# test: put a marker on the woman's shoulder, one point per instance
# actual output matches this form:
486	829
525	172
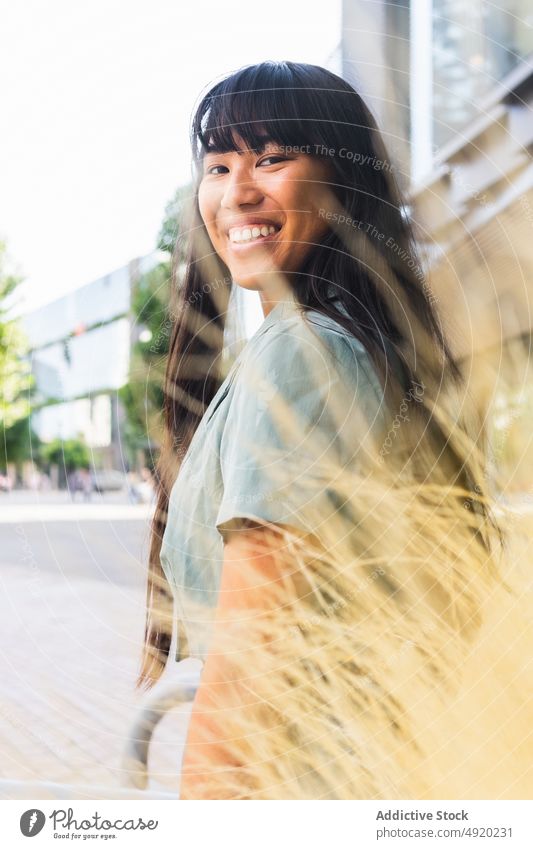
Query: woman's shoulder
311	333
283	343
303	350
301	375
297	324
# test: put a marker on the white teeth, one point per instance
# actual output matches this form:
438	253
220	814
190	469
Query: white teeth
247	234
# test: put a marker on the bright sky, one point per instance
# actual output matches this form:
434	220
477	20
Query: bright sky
95	110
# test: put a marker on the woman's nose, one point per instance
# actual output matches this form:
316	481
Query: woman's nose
240	189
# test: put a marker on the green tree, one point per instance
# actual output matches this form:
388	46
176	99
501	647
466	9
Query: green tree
142	396
15	370
21	443
68	454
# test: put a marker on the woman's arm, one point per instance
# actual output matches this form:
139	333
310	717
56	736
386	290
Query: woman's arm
249	568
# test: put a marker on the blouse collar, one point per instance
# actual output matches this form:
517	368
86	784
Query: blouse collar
283	309
289	306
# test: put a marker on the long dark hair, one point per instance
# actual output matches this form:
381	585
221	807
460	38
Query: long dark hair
367	264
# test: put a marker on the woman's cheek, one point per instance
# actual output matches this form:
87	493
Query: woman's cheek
205	203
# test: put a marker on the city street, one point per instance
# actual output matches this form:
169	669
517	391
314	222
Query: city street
72	624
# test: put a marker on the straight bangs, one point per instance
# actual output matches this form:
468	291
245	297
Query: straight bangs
261	104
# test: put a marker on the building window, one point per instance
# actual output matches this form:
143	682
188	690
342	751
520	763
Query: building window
475	45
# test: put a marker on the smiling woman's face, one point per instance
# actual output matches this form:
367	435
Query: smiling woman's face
262	212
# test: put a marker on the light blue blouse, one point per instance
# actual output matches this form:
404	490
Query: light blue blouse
294	399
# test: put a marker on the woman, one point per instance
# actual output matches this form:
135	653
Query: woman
295	198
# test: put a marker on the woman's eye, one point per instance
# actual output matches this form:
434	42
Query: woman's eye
272	160
216	170
213	169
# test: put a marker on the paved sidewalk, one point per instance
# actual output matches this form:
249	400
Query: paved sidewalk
71	627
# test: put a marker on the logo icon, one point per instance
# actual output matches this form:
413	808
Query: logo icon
32	822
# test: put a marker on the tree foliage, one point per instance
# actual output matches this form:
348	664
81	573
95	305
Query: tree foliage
69	454
19	443
142	396
15	370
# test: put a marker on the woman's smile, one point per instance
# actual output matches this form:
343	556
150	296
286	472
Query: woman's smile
252	232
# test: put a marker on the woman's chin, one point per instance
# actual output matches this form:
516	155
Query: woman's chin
255	279
251	284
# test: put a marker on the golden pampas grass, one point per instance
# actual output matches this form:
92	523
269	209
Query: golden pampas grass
392	659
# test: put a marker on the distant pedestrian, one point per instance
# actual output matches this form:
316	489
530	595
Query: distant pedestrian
86	484
73	483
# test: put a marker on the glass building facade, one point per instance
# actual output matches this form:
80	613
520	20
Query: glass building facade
475	46
429	68
80	357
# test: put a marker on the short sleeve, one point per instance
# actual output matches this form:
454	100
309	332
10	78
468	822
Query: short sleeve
289	431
